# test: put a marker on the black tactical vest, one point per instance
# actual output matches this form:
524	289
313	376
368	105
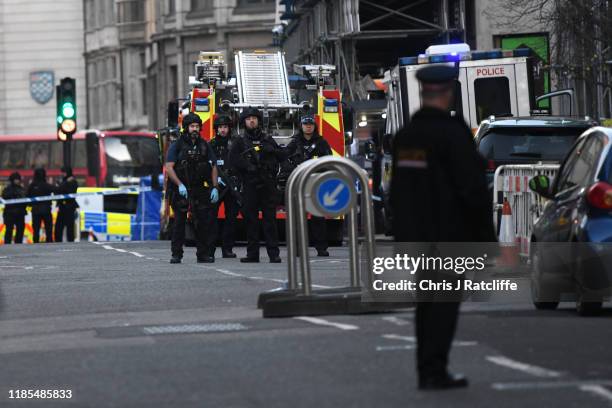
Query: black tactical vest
192	165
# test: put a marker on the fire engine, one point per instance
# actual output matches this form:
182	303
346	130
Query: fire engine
261	81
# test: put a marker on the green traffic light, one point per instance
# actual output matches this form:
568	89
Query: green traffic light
60	119
68	110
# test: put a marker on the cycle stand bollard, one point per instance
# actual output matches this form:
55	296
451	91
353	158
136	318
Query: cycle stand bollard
323	187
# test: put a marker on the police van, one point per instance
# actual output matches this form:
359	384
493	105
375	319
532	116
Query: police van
490	83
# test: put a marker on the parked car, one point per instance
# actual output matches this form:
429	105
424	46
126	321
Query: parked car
527	140
572	240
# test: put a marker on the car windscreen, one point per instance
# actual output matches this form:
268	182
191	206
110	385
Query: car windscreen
521	143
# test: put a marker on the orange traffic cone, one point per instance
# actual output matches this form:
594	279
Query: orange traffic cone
509	249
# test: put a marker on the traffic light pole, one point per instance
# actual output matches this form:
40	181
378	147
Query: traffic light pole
67	152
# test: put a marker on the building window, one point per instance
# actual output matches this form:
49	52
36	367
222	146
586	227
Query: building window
102	86
263	6
171	7
131	11
202	5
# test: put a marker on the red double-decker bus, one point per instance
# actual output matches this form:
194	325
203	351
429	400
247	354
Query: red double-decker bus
99	158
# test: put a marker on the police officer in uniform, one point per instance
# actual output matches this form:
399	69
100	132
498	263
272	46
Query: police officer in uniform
438	194
14	214
257	156
41	212
66	207
228	183
308	144
191	166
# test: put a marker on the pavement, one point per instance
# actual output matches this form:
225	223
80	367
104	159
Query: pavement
118	326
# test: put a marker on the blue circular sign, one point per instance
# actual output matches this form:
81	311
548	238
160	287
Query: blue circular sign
334	195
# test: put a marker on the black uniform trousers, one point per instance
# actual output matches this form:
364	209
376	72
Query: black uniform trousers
318	233
229	223
37	219
16	223
203	222
260	198
436	316
65	219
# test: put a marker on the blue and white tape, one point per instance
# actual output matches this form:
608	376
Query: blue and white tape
76	195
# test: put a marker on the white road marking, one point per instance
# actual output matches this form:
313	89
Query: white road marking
411	339
108	247
598	390
323	322
524	367
396	320
391	348
119	250
548	384
137	254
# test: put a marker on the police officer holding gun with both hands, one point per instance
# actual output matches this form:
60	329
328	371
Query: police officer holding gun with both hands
438	194
257	156
228	183
192	171
308	144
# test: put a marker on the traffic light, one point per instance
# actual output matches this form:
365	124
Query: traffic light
66	109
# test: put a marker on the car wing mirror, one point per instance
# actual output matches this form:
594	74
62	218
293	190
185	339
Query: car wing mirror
541	185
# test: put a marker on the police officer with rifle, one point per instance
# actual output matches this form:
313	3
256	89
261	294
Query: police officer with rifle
257	156
308	144
229	184
192	171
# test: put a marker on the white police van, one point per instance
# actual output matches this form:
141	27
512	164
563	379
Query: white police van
490	83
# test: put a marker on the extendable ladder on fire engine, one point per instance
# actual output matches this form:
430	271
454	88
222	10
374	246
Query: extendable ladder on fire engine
262	80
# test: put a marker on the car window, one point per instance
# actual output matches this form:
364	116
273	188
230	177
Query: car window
582	169
492	97
528	143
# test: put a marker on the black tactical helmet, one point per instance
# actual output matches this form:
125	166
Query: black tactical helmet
189	119
222	120
250	111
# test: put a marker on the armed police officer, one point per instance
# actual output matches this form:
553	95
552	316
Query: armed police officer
229	184
438	194
14	214
192	171
66	208
308	144
257	156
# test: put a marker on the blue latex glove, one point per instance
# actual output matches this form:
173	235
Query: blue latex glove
214	195
183	190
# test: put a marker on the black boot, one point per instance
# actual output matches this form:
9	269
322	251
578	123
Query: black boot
206	259
443	382
322	252
175	260
249	260
228	254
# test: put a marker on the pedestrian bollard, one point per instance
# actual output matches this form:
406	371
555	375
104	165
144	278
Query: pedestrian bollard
322	187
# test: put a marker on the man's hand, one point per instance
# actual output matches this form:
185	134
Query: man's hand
183	190
214	195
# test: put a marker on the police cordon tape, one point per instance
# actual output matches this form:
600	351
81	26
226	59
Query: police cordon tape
30	200
75	195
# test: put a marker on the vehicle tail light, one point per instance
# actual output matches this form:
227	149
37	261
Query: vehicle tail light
600	196
491	165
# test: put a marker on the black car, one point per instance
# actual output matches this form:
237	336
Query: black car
571	252
527	140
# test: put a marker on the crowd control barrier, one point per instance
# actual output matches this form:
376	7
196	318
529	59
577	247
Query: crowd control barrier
511	182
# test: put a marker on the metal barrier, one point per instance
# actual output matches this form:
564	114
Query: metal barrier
511	182
322	187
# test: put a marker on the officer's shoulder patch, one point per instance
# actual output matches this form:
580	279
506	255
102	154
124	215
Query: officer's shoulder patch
412	158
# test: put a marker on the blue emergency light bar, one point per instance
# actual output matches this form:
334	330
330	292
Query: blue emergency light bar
330	102
201	101
464	56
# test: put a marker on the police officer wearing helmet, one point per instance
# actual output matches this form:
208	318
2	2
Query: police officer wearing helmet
228	183
192	171
308	144
257	156
438	194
